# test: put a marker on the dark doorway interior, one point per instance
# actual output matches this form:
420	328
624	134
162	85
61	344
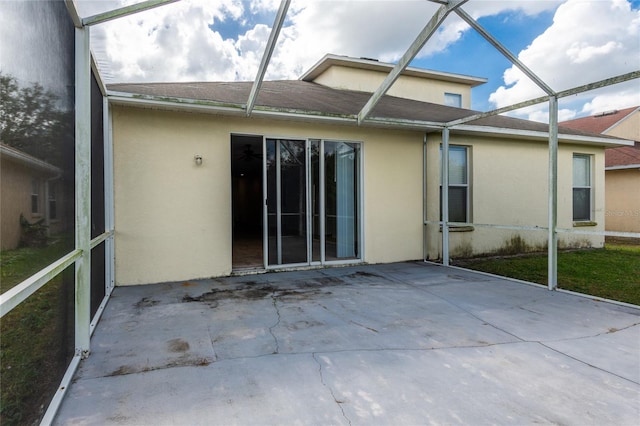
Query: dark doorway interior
246	190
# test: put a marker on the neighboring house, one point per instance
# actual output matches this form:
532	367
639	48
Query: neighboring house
31	188
622	166
202	189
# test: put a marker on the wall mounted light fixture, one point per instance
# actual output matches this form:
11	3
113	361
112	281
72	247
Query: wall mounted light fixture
198	159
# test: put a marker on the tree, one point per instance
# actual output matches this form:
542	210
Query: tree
31	122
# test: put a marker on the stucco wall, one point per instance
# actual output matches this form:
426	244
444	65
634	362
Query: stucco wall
509	186
173	218
405	87
623	200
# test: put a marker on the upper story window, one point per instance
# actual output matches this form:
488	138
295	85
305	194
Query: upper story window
459	204
453	100
582	185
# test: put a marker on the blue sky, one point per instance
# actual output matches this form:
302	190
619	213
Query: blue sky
567	43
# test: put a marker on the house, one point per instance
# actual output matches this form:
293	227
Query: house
203	189
30	189
622	166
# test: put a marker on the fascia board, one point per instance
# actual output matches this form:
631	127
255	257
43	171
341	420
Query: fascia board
529	134
625	167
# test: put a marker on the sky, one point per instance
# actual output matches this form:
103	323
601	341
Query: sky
567	43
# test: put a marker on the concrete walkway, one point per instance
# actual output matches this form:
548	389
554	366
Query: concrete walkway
397	344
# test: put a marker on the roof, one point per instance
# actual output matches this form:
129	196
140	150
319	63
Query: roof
25	159
308	100
623	157
599	123
373	65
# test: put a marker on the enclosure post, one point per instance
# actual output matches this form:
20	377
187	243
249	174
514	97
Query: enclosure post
444	167
83	191
108	197
553	194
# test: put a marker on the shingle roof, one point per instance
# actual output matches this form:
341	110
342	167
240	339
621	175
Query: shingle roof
600	122
622	156
315	99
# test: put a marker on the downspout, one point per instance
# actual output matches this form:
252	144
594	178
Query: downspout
424	198
444	167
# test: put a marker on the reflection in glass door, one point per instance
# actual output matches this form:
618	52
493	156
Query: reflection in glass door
312	208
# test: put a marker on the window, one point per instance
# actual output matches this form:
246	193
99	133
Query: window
453	100
35	196
458	184
53	213
581	187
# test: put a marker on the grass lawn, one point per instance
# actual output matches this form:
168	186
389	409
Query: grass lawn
612	272
36	337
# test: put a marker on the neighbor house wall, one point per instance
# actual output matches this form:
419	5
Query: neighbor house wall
509	186
623	200
15	184
628	128
409	87
173	218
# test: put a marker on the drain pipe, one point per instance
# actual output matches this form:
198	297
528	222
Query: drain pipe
444	167
424	198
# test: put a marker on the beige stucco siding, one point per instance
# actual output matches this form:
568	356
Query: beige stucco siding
629	128
408	87
15	184
623	200
173	218
509	186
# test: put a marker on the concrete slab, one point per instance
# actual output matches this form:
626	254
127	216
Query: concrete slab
402	343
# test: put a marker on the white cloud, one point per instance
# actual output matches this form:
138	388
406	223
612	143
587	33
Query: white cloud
587	42
174	42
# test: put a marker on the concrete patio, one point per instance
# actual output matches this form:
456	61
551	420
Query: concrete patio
406	343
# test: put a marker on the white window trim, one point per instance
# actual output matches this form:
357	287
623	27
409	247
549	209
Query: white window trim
467	150
589	157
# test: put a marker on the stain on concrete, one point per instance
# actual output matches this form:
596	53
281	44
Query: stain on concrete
146	302
178	345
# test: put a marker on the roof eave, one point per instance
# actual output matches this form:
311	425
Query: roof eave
28	160
624	167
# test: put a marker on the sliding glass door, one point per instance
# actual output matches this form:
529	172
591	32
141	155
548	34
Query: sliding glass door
312	207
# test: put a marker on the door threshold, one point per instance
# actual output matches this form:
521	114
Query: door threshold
248	270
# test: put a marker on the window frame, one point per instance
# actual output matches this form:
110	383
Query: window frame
35	197
466	186
448	96
588	187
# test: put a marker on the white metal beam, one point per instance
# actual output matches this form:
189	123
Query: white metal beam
268	51
426	33
83	191
73	13
124	11
552	258
502	49
561	94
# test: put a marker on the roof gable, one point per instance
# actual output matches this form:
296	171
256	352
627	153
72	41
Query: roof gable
599	123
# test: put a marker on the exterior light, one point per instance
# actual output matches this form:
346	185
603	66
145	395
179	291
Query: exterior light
198	159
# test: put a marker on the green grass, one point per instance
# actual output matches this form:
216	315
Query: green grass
34	349
612	272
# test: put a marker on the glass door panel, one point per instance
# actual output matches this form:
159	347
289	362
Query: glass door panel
341	161
286	201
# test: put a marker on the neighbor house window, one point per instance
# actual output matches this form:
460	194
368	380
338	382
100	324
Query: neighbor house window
581	187
35	196
53	212
458	184
453	100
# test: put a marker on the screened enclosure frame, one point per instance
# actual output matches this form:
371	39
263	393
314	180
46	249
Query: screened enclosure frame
80	256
